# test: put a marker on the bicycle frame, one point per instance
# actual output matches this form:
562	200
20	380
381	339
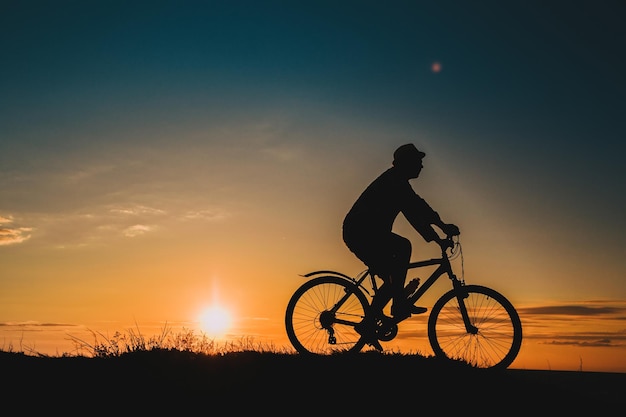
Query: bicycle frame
444	268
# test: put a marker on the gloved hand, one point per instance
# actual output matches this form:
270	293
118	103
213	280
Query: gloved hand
451	229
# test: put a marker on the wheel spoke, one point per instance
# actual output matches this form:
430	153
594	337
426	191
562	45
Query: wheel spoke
499	335
312	314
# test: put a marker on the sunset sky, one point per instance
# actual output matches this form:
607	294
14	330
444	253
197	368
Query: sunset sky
160	158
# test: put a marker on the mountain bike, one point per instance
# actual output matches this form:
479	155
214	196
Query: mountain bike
470	323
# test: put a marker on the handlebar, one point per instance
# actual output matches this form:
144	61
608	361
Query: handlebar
449	242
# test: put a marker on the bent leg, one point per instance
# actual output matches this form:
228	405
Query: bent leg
401	249
388	256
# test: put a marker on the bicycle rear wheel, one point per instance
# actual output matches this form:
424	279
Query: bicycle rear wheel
317	324
498	338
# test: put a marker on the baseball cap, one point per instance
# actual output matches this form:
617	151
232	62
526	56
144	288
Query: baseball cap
407	153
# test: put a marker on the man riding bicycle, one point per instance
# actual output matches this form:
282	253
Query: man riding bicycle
367	230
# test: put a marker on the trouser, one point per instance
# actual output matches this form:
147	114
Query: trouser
388	256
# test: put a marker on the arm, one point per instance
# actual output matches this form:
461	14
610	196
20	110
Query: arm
422	217
450	230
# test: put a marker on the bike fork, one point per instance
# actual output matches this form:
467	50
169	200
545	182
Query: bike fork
461	296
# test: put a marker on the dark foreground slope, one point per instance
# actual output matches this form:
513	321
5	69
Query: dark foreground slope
248	382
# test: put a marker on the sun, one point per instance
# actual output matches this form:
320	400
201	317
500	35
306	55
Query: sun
215	320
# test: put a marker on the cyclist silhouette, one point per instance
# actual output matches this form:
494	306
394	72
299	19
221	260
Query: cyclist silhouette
367	230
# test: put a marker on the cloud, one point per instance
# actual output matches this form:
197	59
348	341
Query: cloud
592	324
86	174
574	310
34	324
138	210
610	340
208	215
137	230
102	224
13	235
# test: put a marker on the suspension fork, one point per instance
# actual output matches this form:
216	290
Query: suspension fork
461	296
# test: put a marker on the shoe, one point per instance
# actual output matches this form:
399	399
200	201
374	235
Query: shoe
406	310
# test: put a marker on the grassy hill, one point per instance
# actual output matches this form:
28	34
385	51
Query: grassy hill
177	381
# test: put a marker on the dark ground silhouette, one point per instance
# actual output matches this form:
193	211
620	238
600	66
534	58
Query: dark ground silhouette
249	382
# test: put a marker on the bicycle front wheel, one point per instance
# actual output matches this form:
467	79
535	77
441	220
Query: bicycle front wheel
496	336
321	316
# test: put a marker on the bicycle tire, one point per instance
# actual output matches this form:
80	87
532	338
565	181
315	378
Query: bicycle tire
499	336
311	302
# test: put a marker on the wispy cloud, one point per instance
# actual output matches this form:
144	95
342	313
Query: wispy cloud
208	215
575	310
283	153
87	173
598	323
21	324
137	230
100	224
11	235
137	210
610	340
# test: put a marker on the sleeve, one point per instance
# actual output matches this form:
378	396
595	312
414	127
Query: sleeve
421	216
